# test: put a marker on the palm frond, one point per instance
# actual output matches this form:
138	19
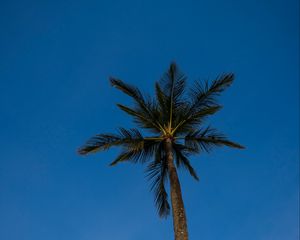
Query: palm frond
181	153
157	173
205	94
128	89
203	103
163	103
130	139
142	119
188	122
100	142
169	91
138	153
173	82
145	110
206	139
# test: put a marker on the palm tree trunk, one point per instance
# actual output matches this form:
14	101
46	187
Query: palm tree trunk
179	218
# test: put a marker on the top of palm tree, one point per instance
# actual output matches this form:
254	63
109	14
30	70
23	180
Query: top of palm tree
174	114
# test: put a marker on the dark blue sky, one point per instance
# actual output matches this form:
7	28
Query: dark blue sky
55	60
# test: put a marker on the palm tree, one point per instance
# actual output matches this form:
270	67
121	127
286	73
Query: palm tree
175	120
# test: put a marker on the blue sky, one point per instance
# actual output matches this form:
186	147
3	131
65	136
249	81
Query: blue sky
55	60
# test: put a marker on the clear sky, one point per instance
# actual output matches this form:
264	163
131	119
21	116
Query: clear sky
55	60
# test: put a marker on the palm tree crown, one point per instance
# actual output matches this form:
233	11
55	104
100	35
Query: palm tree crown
175	115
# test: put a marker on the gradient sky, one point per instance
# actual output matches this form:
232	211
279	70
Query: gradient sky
55	60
